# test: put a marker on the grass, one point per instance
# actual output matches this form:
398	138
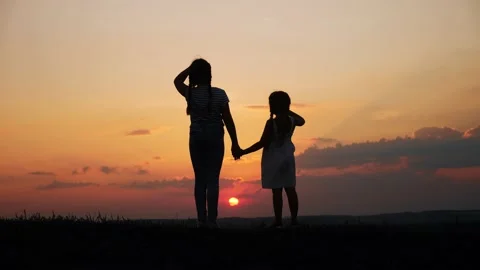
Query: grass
110	242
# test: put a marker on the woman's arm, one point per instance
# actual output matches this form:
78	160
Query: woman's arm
264	140
299	121
180	81
232	131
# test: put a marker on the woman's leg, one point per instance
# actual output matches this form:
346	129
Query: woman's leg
215	161
197	156
277	205
292	203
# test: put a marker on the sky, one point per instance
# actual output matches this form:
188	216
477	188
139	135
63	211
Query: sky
91	121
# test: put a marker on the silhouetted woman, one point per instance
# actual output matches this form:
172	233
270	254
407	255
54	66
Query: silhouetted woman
209	111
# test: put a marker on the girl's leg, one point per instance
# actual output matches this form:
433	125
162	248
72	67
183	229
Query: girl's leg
292	203
277	205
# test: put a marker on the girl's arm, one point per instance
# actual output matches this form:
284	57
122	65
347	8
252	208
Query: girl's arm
299	121
264	140
180	81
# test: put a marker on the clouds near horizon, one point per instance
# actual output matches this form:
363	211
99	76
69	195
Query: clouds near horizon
182	183
431	148
42	173
63	185
82	171
437	168
473	132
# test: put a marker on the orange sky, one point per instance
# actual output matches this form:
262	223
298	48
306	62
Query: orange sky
77	76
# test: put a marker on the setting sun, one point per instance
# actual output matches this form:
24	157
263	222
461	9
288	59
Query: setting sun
233	201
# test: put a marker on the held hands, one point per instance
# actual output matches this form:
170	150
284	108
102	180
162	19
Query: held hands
237	152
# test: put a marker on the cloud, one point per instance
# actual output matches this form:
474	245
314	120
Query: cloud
325	140
437	133
183	183
383	115
136	170
82	171
266	107
431	149
243	160
138	132
62	185
472	133
142	172
251	193
42	173
157	158
108	170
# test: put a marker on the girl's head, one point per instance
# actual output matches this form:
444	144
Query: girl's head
279	102
200	74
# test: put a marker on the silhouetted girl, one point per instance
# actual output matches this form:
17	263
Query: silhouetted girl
208	109
278	160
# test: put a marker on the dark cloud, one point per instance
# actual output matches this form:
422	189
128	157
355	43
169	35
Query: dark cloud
42	173
84	170
157	158
108	170
184	183
136	170
256	107
325	140
266	107
441	150
472	133
138	132
62	185
142	172
437	133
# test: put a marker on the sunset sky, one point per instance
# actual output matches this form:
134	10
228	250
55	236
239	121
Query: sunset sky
90	119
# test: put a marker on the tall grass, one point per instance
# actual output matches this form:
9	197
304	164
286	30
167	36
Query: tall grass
69	218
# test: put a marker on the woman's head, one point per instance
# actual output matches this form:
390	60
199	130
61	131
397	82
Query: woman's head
279	102
200	72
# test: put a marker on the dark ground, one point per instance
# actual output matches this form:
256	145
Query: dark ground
111	245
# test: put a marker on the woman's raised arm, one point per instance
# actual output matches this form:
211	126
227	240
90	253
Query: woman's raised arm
180	81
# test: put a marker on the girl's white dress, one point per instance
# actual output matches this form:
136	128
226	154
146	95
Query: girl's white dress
278	161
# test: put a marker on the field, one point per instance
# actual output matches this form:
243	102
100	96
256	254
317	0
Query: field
102	243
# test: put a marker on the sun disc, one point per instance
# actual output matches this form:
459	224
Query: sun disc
233	201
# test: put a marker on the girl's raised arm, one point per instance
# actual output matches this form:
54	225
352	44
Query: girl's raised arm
299	121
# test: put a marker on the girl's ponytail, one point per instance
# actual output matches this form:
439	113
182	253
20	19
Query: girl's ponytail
272	131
